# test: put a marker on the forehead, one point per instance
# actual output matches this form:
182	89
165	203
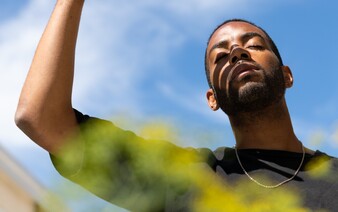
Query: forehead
231	31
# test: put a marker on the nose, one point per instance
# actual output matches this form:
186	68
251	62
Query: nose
238	54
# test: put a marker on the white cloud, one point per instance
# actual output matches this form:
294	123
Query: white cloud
317	136
109	58
196	102
18	38
118	42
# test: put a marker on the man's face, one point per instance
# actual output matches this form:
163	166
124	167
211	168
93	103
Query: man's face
244	71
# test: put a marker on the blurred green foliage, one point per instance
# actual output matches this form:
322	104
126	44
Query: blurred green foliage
137	173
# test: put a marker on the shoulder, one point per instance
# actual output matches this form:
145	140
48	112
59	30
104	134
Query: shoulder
325	157
323	165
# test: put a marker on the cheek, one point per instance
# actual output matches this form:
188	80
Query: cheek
268	60
218	73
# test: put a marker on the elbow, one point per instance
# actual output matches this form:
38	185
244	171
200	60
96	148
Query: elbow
28	122
21	119
44	127
24	120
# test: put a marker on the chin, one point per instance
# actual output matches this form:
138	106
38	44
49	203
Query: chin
251	92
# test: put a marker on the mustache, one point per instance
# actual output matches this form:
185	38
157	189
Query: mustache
227	73
238	68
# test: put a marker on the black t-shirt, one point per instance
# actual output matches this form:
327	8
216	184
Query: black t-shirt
316	182
141	175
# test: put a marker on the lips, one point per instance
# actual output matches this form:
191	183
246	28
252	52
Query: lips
243	67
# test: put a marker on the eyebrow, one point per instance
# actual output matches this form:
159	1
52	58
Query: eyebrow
244	38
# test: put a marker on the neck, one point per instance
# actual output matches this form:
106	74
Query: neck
270	128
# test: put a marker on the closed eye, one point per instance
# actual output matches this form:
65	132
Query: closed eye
220	56
256	47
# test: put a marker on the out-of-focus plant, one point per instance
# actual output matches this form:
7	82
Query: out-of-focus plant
141	174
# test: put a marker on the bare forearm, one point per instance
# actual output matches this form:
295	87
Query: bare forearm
45	109
51	74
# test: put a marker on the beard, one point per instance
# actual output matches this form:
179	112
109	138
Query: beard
253	96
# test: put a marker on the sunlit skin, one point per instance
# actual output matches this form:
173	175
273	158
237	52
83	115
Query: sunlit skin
233	41
231	46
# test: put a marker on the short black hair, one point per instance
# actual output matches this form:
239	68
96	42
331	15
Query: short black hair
273	45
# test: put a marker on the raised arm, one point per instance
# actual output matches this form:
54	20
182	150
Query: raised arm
45	111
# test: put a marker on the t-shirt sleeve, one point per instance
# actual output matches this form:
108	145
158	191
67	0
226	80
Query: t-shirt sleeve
123	168
71	160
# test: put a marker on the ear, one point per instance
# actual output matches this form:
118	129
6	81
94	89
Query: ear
212	102
288	78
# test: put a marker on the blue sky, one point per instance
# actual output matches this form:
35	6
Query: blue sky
141	61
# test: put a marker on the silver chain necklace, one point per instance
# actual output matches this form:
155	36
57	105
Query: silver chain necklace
271	186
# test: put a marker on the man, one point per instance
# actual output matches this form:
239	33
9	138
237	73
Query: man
247	81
